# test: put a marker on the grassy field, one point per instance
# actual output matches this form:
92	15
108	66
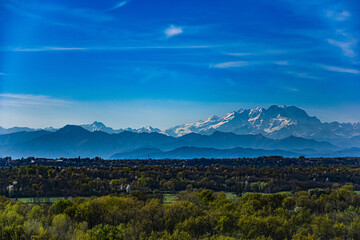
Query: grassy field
232	196
168	198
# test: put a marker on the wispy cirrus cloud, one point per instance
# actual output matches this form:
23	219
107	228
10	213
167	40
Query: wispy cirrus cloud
14	100
261	53
241	54
230	64
344	38
338	15
341	70
119	5
281	63
302	75
44	49
124	48
47	12
238	64
173	31
347	47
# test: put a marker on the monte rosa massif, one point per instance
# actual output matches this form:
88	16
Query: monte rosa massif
278	130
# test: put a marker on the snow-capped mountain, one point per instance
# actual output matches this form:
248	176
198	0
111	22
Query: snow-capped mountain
49	129
274	122
247	132
92	127
147	129
99	126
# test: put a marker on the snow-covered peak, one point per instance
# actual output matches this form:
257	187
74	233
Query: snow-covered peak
148	129
275	121
229	116
257	110
98	126
213	118
255	113
50	129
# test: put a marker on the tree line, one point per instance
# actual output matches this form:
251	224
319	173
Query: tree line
251	162
50	181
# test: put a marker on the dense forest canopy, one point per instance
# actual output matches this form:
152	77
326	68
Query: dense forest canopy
333	214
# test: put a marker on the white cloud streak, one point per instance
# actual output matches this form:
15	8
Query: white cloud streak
341	70
230	64
173	31
346	47
238	64
260	53
119	5
302	75
15	100
283	63
338	15
43	49
241	54
41	12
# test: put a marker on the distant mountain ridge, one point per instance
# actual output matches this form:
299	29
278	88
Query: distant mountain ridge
73	141
196	152
15	129
289	130
99	126
275	122
92	127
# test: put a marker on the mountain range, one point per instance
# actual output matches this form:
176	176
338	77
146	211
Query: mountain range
99	126
95	126
275	122
278	130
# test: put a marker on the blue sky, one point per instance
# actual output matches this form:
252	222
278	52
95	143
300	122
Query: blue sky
161	63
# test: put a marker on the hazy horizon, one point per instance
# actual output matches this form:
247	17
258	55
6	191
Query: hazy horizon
113	123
